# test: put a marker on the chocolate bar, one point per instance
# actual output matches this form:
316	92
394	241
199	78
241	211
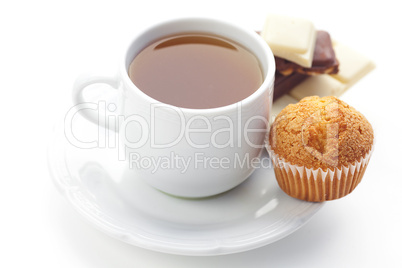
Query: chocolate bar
324	60
333	67
283	84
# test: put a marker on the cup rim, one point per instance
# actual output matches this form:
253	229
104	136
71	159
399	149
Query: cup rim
268	78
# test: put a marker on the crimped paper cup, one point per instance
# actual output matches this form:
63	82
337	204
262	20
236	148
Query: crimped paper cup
317	185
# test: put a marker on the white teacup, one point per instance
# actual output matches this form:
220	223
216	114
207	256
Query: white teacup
189	152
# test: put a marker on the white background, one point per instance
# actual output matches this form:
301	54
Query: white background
44	45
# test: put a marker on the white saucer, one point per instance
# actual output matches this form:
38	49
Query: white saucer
98	186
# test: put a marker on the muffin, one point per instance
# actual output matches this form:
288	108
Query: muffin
320	148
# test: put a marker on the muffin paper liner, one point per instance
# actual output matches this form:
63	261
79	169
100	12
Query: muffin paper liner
318	185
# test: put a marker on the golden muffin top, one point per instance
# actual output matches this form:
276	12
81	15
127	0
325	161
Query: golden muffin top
321	133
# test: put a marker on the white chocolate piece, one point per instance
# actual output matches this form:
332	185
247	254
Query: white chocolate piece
288	33
318	85
281	103
290	38
352	65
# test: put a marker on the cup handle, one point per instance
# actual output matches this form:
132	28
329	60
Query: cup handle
82	82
